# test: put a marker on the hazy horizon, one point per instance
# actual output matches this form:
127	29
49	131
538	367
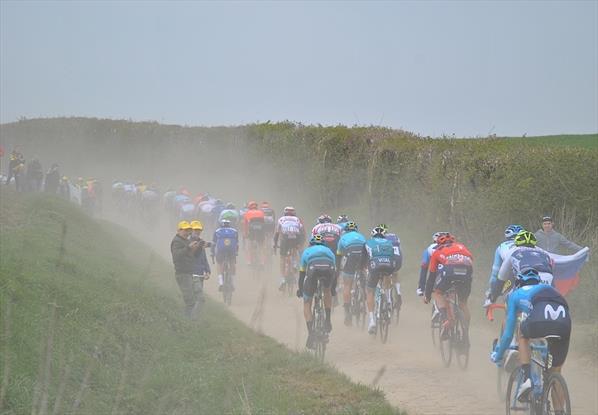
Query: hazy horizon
433	68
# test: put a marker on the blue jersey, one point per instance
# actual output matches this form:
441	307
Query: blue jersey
521	301
316	252
350	239
503	250
379	248
343	226
225	240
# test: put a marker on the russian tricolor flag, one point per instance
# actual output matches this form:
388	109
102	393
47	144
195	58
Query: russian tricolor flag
567	268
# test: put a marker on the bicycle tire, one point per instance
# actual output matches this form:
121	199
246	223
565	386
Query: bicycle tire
435	329
458	338
554	380
512	405
384	320
319	324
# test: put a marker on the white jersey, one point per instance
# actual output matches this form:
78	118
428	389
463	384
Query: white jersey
290	226
326	228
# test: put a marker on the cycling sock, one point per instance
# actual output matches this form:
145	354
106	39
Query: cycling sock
526	370
398	287
327	311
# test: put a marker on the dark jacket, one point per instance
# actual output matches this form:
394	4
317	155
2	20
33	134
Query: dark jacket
202	266
182	256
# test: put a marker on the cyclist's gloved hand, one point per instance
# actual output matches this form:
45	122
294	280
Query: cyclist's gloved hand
299	294
495	359
426	300
419	292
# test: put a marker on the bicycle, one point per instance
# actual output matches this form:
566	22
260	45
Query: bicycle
397	303
290	266
227	285
319	321
511	360
435	325
455	343
549	389
254	258
358	299
197	287
383	307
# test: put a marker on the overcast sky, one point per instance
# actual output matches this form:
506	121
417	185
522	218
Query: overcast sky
432	67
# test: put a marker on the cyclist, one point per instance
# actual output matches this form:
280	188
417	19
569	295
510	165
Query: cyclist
349	254
291	234
342	222
317	262
231	214
396	244
380	259
545	313
269	219
253	230
503	250
451	262
225	247
427	254
525	253
330	232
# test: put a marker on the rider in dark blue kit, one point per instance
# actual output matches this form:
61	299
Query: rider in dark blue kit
544	313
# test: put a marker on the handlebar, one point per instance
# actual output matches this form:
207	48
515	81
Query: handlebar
490	310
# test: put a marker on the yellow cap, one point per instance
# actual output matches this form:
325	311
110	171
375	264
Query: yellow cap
196	225
184	225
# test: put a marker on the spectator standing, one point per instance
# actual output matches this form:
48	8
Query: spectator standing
552	241
35	175
52	180
184	258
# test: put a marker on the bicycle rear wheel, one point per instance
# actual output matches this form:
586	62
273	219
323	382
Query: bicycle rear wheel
460	345
319	325
435	327
555	399
446	349
512	405
385	317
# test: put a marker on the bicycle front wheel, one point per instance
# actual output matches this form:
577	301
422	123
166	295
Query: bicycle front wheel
555	399
512	405
460	343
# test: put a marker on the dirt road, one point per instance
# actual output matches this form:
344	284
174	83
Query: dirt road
414	378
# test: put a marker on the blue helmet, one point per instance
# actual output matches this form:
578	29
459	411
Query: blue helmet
527	275
316	240
512	230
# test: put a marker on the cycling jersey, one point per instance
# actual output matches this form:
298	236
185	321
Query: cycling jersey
503	250
450	263
289	230
253	225
396	244
330	232
269	219
544	312
426	255
527	257
317	262
225	243
380	259
351	246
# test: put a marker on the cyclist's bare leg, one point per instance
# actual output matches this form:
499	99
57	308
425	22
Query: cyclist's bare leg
370	300
307	311
465	309
327	298
347	286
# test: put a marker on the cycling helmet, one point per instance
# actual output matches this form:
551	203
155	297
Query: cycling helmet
324	219
525	238
350	226
384	226
225	223
445	238
378	232
342	219
218	202
528	275
196	225
437	234
230	206
252	205
512	230
289	211
184	225
265	205
316	240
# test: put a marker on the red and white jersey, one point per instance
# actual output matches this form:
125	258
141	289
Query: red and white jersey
289	226
327	229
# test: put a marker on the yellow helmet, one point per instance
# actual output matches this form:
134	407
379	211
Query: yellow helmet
196	225
183	225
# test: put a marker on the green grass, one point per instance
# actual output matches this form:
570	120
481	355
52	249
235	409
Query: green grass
582	140
118	323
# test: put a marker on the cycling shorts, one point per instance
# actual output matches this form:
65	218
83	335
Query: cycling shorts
287	244
255	234
352	260
555	322
322	270
222	256
379	267
462	285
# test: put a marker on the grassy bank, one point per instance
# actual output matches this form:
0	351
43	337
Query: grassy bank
92	324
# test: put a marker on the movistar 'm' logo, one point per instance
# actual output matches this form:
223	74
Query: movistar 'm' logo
552	313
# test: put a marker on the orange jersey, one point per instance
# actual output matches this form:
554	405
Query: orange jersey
451	254
252	214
